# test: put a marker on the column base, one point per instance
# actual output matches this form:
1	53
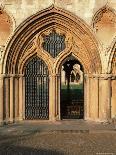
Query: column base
11	121
20	119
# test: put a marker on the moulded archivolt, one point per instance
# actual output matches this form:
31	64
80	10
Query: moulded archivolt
104	24
65	23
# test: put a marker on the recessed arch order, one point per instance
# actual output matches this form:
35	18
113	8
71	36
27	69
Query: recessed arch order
24	43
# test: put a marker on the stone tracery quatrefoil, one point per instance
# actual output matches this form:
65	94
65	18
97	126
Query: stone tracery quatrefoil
54	43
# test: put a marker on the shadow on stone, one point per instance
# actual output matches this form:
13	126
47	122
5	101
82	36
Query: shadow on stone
17	150
8	146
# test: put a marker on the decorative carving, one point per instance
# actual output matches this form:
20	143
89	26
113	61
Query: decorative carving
67	26
103	16
54	43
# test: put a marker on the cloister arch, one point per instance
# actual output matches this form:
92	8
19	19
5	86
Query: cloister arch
51	17
103	22
28	40
112	58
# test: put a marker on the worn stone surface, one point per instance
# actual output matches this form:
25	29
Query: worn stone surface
90	30
44	139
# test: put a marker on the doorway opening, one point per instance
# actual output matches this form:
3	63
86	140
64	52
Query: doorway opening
72	90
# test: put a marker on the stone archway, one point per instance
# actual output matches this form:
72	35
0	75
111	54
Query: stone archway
28	40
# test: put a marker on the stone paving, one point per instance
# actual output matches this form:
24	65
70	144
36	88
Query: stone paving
58	138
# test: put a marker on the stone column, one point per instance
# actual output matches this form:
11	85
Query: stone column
113	97
7	98
105	98
53	98
1	100
21	98
11	99
86	97
16	98
93	99
58	114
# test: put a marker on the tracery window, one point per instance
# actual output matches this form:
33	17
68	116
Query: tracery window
54	43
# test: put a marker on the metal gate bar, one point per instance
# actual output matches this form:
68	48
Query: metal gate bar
36	90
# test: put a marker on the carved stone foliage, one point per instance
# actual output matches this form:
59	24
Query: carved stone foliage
61	31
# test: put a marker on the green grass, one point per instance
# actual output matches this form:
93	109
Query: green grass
75	92
72	86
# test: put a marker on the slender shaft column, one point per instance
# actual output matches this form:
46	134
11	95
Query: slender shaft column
21	98
7	98
1	100
53	98
86	97
94	101
105	99
11	99
16	92
113	99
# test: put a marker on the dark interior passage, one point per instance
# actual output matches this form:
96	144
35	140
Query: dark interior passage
72	90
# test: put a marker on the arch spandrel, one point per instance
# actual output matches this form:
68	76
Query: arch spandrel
41	21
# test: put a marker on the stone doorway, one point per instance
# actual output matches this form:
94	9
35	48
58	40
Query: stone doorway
72	90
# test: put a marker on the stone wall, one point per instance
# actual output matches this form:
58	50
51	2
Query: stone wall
90	40
104	28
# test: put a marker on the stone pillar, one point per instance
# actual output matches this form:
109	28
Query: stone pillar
113	98
93	99
21	98
86	97
7	98
1	100
104	98
16	98
11	99
53	98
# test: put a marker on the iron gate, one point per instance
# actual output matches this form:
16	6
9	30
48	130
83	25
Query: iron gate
36	90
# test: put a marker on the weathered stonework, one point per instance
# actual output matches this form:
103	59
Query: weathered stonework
81	41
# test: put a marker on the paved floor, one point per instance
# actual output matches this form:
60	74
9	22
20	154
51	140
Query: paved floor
58	138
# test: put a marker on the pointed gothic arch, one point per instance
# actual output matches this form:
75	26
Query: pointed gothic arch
25	34
99	13
103	21
112	58
27	41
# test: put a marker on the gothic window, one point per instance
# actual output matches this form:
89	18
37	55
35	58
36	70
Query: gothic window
54	43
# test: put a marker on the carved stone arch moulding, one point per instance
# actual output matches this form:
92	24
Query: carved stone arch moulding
28	40
112	58
103	21
99	14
